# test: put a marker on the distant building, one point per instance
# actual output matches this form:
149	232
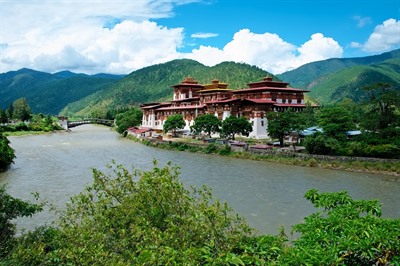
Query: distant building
192	99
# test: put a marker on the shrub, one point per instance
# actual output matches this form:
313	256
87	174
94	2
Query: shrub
142	218
11	208
7	154
211	148
226	150
347	232
320	144
21	127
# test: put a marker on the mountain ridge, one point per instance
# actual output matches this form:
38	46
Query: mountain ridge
70	93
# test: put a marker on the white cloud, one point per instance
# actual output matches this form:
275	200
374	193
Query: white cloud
384	38
268	51
51	35
118	37
204	35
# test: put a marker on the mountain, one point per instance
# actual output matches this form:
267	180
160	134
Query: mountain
76	94
154	83
349	82
333	79
49	93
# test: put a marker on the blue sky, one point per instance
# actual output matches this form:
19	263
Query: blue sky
121	36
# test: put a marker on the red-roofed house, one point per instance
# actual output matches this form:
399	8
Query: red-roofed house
192	99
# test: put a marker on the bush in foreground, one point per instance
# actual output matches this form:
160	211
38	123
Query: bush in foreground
150	218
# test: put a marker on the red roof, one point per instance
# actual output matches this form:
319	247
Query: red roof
290	105
186	99
223	101
154	105
139	130
268	89
186	107
261	101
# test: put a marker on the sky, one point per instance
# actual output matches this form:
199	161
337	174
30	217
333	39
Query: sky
121	36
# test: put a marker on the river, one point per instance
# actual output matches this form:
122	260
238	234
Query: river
268	195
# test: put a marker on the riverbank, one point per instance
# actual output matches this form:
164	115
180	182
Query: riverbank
354	164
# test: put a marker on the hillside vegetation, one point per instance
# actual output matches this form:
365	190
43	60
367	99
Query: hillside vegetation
154	84
49	93
350	82
335	79
306	75
83	95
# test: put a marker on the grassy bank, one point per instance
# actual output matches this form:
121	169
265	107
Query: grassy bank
384	168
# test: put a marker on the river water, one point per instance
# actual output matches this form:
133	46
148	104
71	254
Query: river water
268	195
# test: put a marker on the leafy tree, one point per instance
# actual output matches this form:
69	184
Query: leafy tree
138	218
130	118
283	123
233	125
335	121
383	99
307	117
3	116
207	123
346	232
321	144
355	110
7	154
173	123
21	109
11	208
10	111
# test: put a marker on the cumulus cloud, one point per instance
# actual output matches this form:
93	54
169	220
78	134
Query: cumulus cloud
97	35
385	37
119	37
268	51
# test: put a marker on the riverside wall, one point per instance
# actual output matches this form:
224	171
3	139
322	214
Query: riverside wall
288	153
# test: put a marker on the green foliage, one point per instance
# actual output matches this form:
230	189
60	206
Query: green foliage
335	121
21	110
233	125
307	117
333	80
11	208
283	123
207	123
150	218
49	93
382	103
347	232
7	154
173	123
130	118
3	116
138	218
321	144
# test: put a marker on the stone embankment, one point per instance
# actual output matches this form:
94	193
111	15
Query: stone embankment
285	155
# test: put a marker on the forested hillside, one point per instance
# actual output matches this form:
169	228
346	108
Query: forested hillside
83	95
49	93
334	79
307	74
351	82
154	84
